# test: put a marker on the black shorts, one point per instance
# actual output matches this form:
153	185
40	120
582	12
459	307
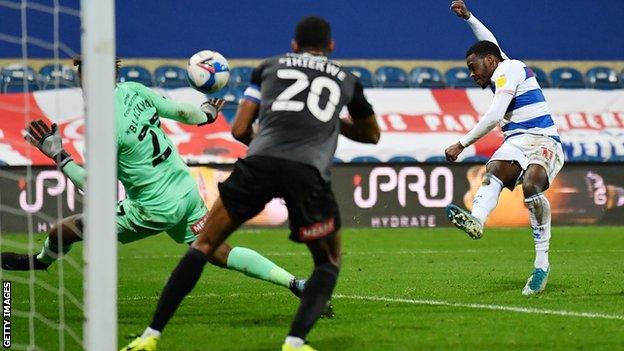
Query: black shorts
312	208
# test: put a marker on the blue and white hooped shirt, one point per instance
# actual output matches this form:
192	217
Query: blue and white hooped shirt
528	112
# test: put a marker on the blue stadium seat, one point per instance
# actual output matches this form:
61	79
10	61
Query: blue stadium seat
170	77
336	160
616	158
137	74
567	78
391	77
402	158
365	76
541	76
426	77
62	76
479	159
585	158
365	159
436	159
240	76
19	78
459	77
603	78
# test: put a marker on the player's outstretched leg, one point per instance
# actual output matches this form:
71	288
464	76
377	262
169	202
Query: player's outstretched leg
69	230
219	225
539	211
318	291
253	264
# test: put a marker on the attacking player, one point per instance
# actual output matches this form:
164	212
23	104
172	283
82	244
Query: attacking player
162	196
297	98
531	153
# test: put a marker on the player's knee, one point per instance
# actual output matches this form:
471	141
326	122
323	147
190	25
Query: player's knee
530	188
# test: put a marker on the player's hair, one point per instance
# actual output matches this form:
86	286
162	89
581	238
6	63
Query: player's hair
77	61
484	48
313	32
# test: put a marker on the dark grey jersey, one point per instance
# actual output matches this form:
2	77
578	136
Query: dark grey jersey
301	97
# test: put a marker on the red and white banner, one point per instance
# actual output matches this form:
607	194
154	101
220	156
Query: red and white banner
419	123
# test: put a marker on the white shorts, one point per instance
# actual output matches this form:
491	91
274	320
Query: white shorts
529	149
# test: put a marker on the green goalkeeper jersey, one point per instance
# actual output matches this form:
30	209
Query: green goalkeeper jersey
149	166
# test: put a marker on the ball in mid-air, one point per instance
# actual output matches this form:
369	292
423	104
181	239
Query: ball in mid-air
208	71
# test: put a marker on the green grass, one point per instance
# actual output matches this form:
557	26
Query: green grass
228	311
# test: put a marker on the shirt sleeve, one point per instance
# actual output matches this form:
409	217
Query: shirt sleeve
359	107
75	173
253	92
506	81
180	111
483	33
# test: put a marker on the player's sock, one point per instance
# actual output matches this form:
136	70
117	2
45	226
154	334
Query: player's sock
539	212
150	332
50	251
294	341
486	198
180	283
251	263
317	292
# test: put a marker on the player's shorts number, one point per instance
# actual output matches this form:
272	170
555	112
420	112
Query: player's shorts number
284	101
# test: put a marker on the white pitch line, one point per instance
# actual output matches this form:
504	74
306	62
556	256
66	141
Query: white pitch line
386	252
482	306
479	306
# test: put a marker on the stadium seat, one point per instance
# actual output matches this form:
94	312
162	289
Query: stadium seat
603	78
62	76
365	76
240	76
426	77
567	78
19	78
402	158
476	159
436	159
541	76
170	77
616	158
336	160
137	74
391	77
365	159
586	158
459	77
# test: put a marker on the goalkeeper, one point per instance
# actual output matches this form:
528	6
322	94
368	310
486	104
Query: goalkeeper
162	196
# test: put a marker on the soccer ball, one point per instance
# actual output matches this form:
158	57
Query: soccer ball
208	71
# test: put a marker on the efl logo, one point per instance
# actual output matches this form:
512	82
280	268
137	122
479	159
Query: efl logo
406	180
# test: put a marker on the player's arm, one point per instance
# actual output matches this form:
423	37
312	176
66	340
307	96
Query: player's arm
182	111
247	112
248	108
48	141
506	85
479	29
363	126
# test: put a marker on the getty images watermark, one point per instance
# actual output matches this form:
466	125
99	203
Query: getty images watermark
6	314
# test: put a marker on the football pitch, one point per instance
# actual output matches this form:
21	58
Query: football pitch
406	289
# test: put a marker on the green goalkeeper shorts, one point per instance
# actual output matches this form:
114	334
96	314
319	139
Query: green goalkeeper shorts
136	221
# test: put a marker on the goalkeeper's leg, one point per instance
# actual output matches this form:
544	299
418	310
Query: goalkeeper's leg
253	264
58	243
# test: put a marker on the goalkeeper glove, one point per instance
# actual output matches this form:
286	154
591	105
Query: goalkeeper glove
48	141
211	108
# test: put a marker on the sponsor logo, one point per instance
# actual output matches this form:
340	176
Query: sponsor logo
433	190
501	81
317	230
